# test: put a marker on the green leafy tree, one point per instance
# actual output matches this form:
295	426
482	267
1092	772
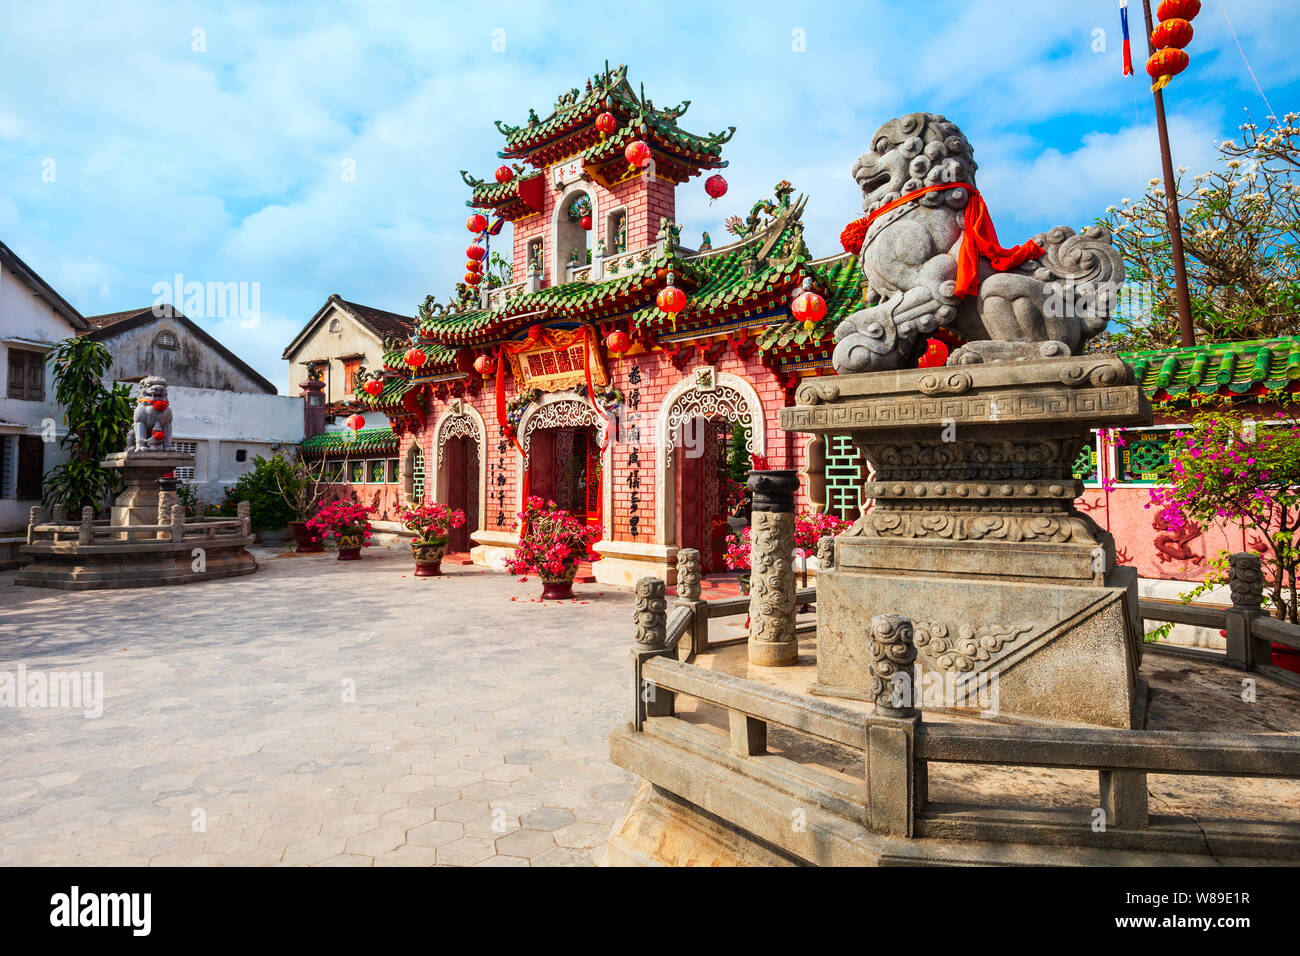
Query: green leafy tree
1241	239
269	508
98	420
1226	467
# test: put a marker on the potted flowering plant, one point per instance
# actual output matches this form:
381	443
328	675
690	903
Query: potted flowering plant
348	522
431	525
552	545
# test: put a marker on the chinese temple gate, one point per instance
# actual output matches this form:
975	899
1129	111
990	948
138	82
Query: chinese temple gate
520	392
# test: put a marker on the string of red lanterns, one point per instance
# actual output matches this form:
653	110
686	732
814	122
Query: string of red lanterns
1174	32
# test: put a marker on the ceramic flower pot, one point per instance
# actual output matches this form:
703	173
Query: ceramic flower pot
306	540
557	587
428	557
350	542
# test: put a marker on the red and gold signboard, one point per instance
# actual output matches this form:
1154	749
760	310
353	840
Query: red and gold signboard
553	360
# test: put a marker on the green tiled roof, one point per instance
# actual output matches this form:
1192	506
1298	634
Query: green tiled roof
610	91
367	441
1228	368
839	281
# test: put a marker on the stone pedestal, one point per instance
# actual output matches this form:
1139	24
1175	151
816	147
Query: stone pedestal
138	502
1017	606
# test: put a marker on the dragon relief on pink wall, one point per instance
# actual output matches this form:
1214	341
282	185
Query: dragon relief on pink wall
1172	544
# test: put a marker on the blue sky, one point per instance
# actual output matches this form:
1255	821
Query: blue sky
225	163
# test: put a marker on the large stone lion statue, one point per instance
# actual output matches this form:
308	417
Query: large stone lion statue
1047	306
151	427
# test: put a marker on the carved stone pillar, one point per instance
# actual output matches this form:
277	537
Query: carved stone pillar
688	595
772	641
1246	584
893	671
166	498
651	620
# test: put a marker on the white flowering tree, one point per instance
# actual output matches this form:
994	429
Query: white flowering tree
1241	237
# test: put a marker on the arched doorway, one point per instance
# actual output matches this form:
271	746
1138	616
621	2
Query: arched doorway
709	424
561	439
458	481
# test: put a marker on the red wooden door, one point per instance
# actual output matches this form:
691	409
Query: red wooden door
456	457
541	464
701	495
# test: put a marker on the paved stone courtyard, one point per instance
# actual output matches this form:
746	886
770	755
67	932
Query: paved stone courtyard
476	737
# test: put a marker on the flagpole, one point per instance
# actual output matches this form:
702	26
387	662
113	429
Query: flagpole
1187	335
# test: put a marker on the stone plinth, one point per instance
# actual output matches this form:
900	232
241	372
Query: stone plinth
1017	606
138	502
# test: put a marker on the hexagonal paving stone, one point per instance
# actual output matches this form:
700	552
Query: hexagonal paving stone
435	834
527	843
546	818
466	851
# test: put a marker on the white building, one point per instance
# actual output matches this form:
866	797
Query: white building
33	319
226	414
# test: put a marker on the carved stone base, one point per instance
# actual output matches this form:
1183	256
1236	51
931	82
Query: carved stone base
1001	649
974	535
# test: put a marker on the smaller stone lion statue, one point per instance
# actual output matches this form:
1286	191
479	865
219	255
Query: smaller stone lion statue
151	428
1043	299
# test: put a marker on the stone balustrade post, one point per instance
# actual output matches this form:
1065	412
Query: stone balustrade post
33	519
772	641
178	523
246	517
1246	584
688	595
86	533
896	787
59	514
651	620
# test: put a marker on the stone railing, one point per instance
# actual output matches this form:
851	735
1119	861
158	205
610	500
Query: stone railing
497	298
630	260
175	529
882	816
1249	630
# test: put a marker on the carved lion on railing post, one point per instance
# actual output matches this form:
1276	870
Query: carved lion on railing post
1047	306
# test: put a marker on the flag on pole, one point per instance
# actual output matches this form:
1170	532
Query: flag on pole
1128	50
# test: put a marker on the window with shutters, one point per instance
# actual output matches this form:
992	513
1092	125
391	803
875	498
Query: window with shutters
26	375
186	472
350	369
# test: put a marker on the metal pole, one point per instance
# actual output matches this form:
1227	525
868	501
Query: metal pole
1187	336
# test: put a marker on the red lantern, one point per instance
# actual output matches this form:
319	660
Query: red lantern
373	386
485	365
715	186
474	251
637	154
1177	10
936	354
476	223
670	298
1167	63
473	265
473	278
414	357
1172	34
606	123
505	174
618	341
585	222
355	422
808	307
